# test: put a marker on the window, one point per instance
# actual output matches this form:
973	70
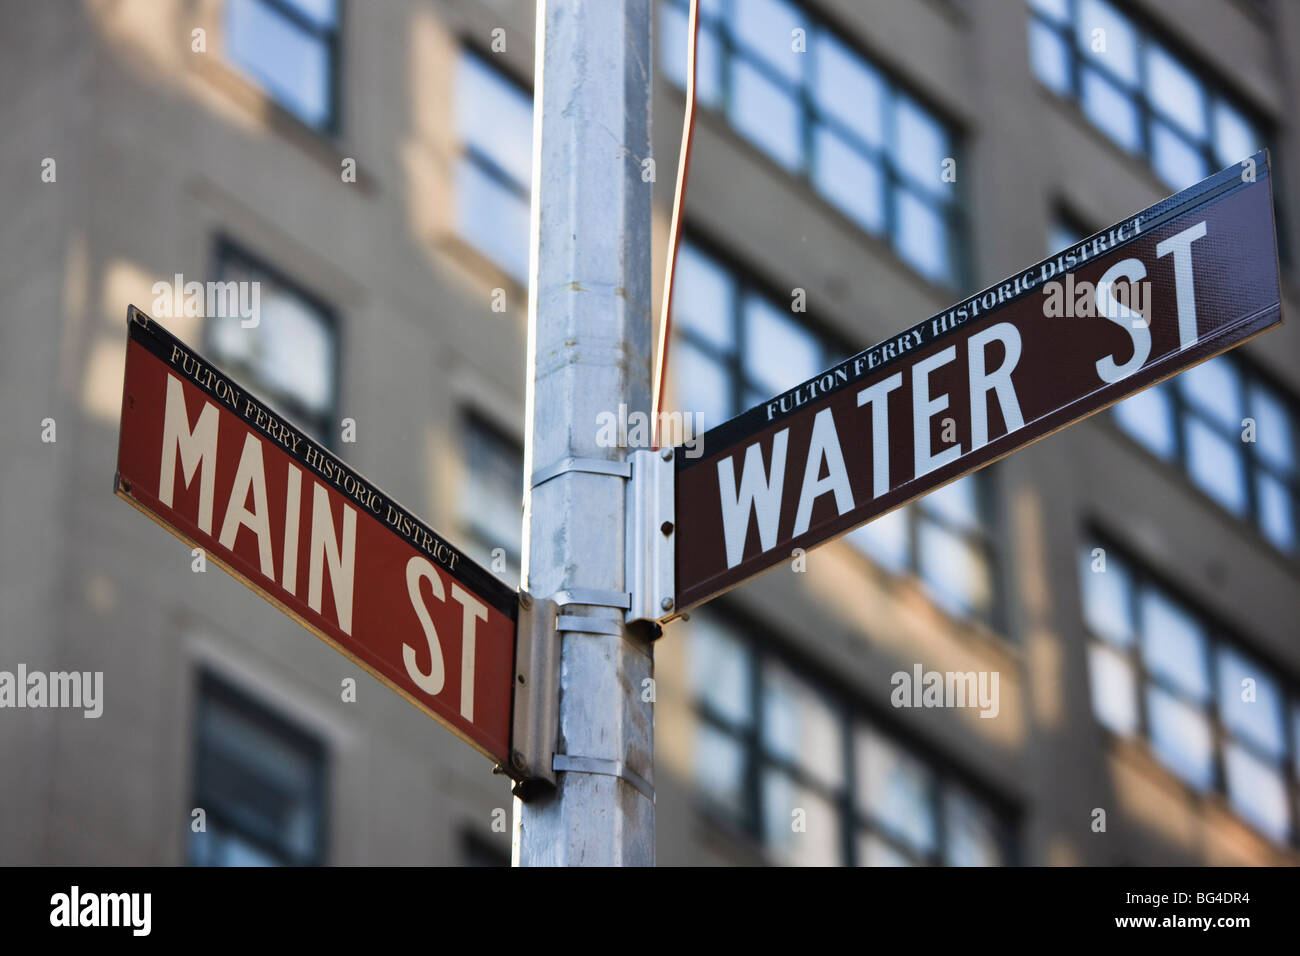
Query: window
1211	713
291	48
494	120
735	346
943	538
1233	433
827	115
1137	91
290	356
260	782
770	742
491	500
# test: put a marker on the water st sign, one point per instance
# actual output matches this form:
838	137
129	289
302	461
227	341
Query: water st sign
1167	288
220	469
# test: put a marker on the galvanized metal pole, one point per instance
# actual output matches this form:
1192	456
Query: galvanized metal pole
589	349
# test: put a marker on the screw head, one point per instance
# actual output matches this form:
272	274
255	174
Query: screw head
525	599
666	604
517	760
666	528
666	454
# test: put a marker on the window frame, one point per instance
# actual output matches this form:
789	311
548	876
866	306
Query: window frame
811	117
762	646
1209	80
227	249
209	686
470	417
1219	637
329	37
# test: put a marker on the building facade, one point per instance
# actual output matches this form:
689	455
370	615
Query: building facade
1133	582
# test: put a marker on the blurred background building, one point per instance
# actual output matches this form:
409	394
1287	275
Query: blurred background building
398	300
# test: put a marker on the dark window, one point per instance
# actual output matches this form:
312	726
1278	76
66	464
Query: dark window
1138	91
1210	711
290	47
791	762
260	782
494	120
804	96
290	356
491	499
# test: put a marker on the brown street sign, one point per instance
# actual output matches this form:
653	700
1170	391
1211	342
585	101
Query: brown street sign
209	461
1159	292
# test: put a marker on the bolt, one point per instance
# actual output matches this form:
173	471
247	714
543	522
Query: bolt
517	760
667	454
666	528
525	599
521	679
666	604
126	486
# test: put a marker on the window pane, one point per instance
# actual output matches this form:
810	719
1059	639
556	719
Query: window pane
1258	792
848	89
920	145
1058	10
700	384
495	118
704	297
894	790
1173	643
1234	137
1111	110
1115	45
955	572
922	237
956	502
1176	161
787	804
1258	720
293	65
1148	417
493	218
970	832
1216	465
885	540
1049	56
1107	598
1114	689
1175	91
849	180
873	851
1273	428
673	43
767	114
320	12
779	352
799	727
298	356
720	767
719	670
766	28
1214	387
492	493
1276	511
1180	738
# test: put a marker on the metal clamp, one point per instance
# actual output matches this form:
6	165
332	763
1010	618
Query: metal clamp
587	625
650	538
594	597
590	466
535	723
567	763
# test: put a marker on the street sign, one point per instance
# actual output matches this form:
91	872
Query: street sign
220	469
1159	292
